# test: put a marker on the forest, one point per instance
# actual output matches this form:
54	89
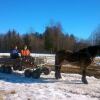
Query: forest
50	41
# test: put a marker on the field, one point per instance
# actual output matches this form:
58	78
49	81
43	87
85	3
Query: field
16	87
92	70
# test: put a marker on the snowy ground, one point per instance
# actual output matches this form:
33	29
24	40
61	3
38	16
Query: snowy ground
16	87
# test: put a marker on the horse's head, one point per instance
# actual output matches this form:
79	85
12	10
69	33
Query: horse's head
93	51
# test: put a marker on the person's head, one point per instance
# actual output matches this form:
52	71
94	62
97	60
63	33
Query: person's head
15	47
25	47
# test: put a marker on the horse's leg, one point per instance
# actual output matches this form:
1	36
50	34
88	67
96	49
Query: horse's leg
57	71
57	68
58	62
84	80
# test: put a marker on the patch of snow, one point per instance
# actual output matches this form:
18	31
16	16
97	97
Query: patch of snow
48	88
97	57
98	63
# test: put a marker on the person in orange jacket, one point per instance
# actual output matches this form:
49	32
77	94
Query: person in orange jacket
25	52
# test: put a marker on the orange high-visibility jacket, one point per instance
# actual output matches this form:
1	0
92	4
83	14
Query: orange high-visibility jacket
25	52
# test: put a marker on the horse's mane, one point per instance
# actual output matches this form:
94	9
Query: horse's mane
90	50
90	47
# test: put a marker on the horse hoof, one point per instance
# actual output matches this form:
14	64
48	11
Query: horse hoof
85	82
57	78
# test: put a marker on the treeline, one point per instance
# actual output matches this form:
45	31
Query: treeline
50	41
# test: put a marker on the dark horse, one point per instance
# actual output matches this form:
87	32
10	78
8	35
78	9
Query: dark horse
82	58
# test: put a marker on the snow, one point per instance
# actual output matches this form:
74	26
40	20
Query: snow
17	87
97	59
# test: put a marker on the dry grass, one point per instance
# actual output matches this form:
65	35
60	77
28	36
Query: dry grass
92	70
1	97
4	93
